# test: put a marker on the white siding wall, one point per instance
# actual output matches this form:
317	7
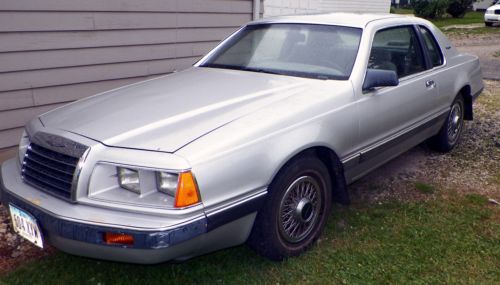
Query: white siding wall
290	7
364	6
482	5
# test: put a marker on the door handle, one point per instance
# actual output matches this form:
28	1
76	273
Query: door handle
430	84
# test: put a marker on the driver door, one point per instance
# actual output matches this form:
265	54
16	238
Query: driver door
387	114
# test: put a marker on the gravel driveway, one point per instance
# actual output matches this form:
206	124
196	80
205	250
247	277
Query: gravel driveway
473	167
487	47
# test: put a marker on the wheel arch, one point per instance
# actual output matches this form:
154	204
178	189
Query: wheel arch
335	168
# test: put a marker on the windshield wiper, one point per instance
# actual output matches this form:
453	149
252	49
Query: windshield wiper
224	66
273	71
262	70
240	67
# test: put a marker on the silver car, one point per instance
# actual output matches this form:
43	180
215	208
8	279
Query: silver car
252	144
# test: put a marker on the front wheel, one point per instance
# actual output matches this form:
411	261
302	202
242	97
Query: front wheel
296	212
488	24
449	134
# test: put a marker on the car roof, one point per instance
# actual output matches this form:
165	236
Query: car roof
359	20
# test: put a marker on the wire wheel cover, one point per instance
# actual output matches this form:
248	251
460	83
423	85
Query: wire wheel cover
300	209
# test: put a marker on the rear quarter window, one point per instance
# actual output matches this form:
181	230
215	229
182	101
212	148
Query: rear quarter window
432	47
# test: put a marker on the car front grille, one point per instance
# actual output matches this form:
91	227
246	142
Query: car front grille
497	12
51	169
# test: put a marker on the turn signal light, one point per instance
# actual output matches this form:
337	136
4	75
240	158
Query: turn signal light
187	191
117	238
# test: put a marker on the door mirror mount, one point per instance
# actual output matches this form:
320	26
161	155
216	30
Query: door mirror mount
379	78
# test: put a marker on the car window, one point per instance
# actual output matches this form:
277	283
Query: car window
432	47
306	50
397	49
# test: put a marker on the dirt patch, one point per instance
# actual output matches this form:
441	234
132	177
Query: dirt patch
14	250
468	26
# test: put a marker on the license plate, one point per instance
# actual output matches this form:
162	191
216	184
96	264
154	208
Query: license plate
26	225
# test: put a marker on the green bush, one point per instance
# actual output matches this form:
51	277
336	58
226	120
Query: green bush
458	8
430	9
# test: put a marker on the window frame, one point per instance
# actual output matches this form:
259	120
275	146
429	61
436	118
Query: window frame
228	42
419	38
426	50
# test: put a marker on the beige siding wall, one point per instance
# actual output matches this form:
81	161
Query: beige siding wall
56	51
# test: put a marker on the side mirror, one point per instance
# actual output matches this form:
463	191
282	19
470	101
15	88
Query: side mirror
379	78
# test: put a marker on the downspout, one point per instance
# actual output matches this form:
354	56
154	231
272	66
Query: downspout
256	9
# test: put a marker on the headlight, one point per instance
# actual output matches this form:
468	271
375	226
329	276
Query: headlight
129	179
143	186
23	146
489	12
167	182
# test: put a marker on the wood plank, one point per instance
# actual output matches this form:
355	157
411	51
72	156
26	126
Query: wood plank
45	21
18	118
30	60
106	21
28	41
88	21
9	138
71	75
15	99
213	6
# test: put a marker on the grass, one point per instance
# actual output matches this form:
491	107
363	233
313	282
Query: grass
469	18
424	188
445	240
403	11
447	20
495	179
496	53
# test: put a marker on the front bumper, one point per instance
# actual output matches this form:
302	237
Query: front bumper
86	239
81	230
491	18
152	239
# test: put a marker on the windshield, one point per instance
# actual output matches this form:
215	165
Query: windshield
305	50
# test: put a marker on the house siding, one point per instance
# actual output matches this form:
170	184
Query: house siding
290	7
53	52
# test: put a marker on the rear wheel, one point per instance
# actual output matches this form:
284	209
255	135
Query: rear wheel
449	135
295	213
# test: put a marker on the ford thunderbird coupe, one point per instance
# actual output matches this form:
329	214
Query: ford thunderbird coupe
253	144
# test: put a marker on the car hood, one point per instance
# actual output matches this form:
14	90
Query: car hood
166	113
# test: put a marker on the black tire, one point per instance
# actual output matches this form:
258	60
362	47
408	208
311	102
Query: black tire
488	24
449	134
290	202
